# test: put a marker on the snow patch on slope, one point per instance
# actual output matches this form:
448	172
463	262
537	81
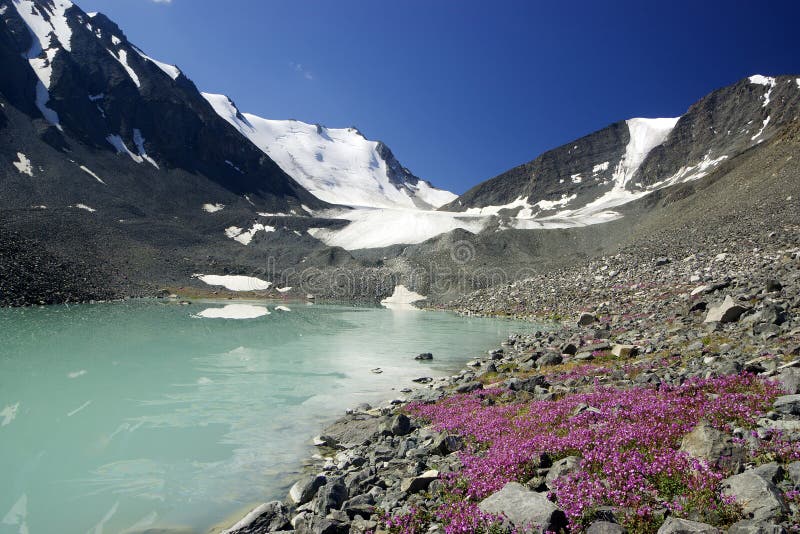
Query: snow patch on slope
122	58
170	70
117	142
645	135
245	236
138	140
90	173
23	164
212	208
49	35
337	165
768	81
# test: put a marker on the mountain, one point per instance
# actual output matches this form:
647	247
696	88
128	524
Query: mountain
337	165
582	181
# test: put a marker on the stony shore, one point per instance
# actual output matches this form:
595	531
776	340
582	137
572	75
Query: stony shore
693	356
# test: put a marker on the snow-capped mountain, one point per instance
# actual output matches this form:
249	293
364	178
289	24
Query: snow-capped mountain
583	181
337	165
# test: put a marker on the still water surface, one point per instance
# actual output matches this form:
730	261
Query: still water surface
132	416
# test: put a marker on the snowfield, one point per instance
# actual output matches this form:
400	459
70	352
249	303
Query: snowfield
337	165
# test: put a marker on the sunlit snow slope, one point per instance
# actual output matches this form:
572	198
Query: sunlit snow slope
337	165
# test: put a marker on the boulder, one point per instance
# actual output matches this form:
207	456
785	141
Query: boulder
788	404
269	517
587	319
789	379
726	312
748	526
331	496
469	387
605	527
424	356
561	468
760	499
306	488
400	425
569	348
673	525
717	448
524	507
793	470
624	351
417	484
446	444
549	358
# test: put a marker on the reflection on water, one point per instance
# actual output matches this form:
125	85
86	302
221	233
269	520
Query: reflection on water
123	417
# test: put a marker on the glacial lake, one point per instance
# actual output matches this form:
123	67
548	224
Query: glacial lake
125	417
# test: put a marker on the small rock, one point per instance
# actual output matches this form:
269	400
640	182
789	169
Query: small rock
624	351
605	527
417	484
748	526
561	468
469	387
726	312
586	319
788	404
400	425
424	356
707	443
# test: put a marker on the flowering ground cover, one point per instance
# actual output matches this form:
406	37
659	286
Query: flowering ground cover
628	442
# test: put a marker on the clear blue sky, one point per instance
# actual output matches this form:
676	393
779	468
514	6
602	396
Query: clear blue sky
462	90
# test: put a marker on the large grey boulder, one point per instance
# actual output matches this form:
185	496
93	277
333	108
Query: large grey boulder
760	499
789	380
419	483
788	404
524	508
715	447
331	496
673	525
726	312
306	488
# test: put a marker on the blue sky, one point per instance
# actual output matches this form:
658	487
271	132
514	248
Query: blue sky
462	90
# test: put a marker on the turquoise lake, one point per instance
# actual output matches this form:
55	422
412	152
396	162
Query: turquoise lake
127	417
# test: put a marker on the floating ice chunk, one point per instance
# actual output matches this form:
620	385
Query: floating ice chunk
18	515
79	408
234	282
76	374
235	311
93	175
283	289
9	413
204	381
211	208
23	164
282	308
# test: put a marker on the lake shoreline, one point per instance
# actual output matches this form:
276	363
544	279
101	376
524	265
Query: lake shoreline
728	313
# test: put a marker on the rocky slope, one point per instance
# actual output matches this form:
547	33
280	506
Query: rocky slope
693	355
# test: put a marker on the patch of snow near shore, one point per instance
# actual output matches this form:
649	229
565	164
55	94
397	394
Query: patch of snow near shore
402	298
211	208
23	164
235	311
284	289
234	282
282	308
